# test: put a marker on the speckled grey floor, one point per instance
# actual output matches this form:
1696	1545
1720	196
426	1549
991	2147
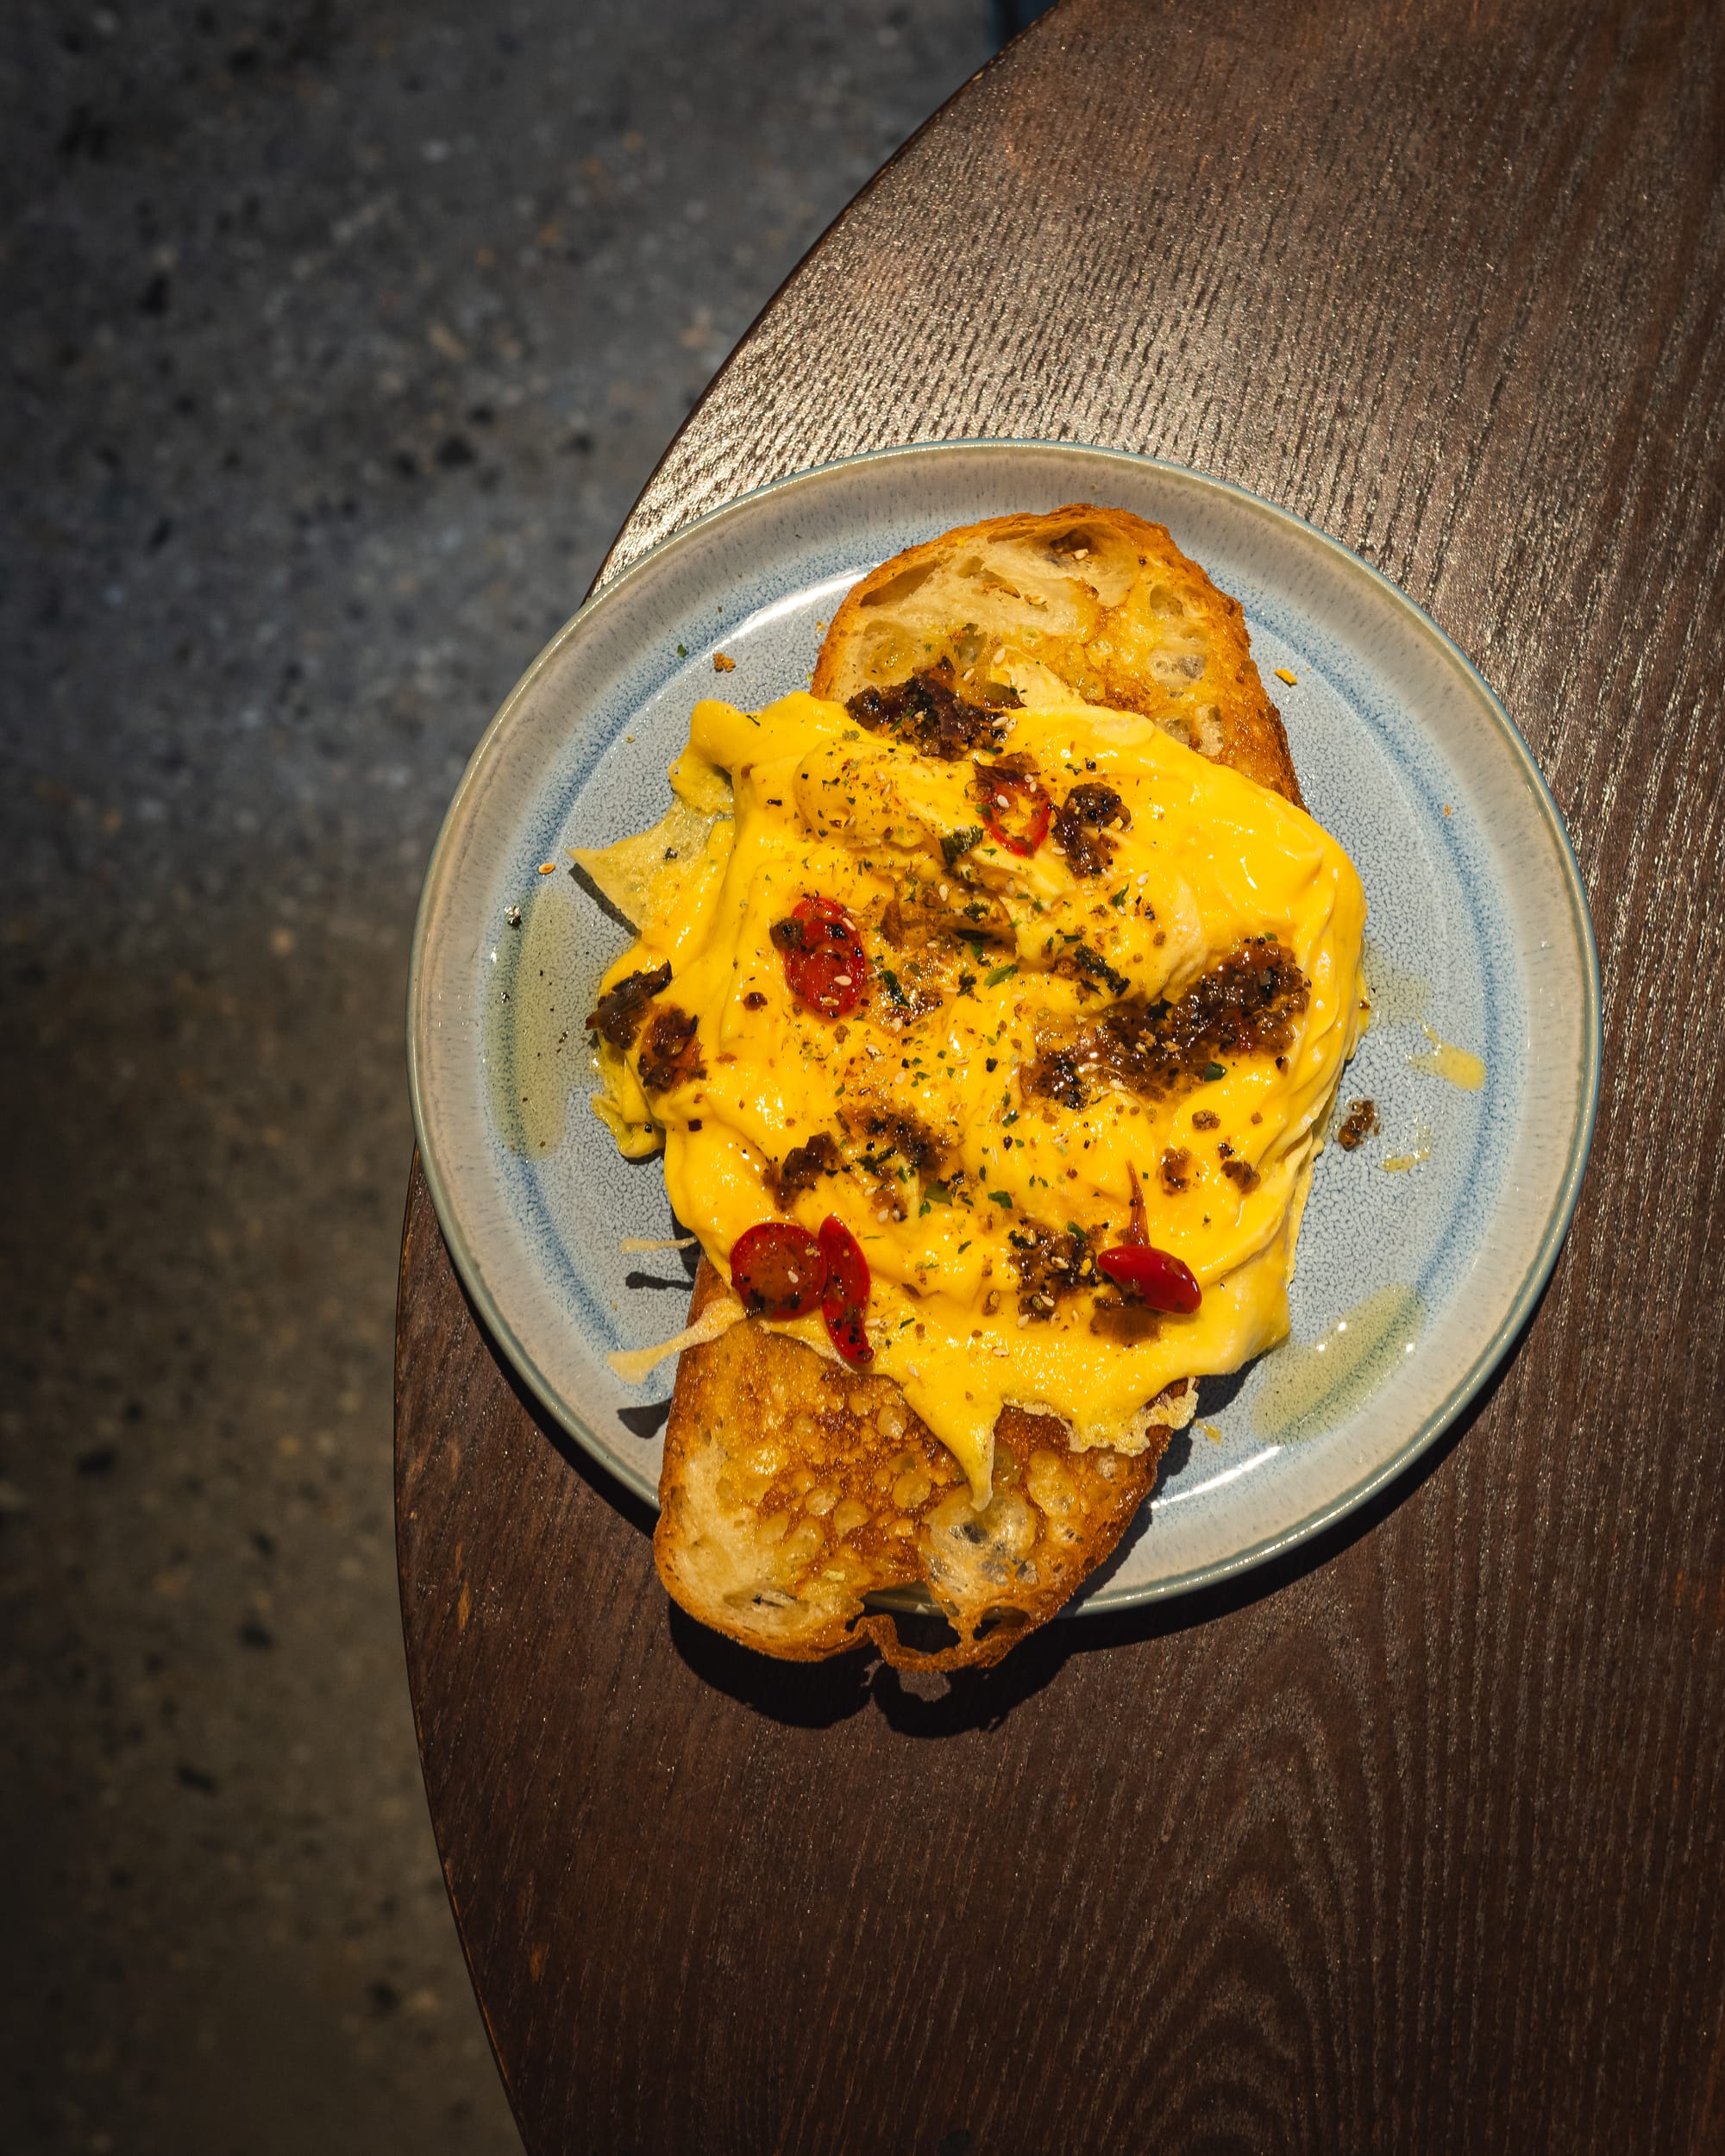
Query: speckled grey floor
339	340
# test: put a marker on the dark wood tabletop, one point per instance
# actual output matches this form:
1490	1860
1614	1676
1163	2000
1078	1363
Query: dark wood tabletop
1415	1840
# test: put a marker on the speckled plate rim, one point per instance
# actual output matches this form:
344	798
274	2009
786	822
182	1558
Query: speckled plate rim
1385	592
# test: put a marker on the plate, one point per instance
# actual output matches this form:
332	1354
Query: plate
1412	1280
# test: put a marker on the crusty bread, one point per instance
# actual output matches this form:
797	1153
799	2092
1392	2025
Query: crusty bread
793	1488
1086	601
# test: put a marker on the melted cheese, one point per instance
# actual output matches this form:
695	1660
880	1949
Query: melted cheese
1209	859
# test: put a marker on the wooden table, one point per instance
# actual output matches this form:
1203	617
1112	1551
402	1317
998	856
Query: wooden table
1416	1842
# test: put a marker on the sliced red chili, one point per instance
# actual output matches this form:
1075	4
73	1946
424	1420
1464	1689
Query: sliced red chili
777	1270
1158	1276
845	1304
826	966
1016	806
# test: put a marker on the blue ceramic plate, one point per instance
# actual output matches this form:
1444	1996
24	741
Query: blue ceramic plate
1412	1280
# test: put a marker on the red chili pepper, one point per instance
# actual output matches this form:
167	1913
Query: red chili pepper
1004	794
846	1300
826	966
777	1270
1156	1275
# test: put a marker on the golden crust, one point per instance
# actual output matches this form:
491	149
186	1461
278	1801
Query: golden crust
1088	601
793	1488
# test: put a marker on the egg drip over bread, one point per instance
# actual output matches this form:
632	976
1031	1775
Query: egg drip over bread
1004	992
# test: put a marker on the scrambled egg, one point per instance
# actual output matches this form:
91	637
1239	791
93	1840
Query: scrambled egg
1167	982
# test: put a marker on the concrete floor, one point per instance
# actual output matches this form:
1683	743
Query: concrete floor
341	338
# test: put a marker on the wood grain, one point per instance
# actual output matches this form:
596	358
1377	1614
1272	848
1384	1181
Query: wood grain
1414	1843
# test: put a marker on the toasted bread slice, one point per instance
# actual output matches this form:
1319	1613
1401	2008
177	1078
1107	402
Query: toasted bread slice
1083	601
793	1488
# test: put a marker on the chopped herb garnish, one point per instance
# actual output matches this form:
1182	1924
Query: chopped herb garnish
953	844
682	651
897	993
1216	1070
1097	967
1001	1197
999	973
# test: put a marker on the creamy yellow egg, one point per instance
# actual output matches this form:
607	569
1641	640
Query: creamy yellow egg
1007	1063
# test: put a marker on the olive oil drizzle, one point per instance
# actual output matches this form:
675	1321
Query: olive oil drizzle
1456	1066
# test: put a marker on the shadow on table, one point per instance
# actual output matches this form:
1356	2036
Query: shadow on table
803	1694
